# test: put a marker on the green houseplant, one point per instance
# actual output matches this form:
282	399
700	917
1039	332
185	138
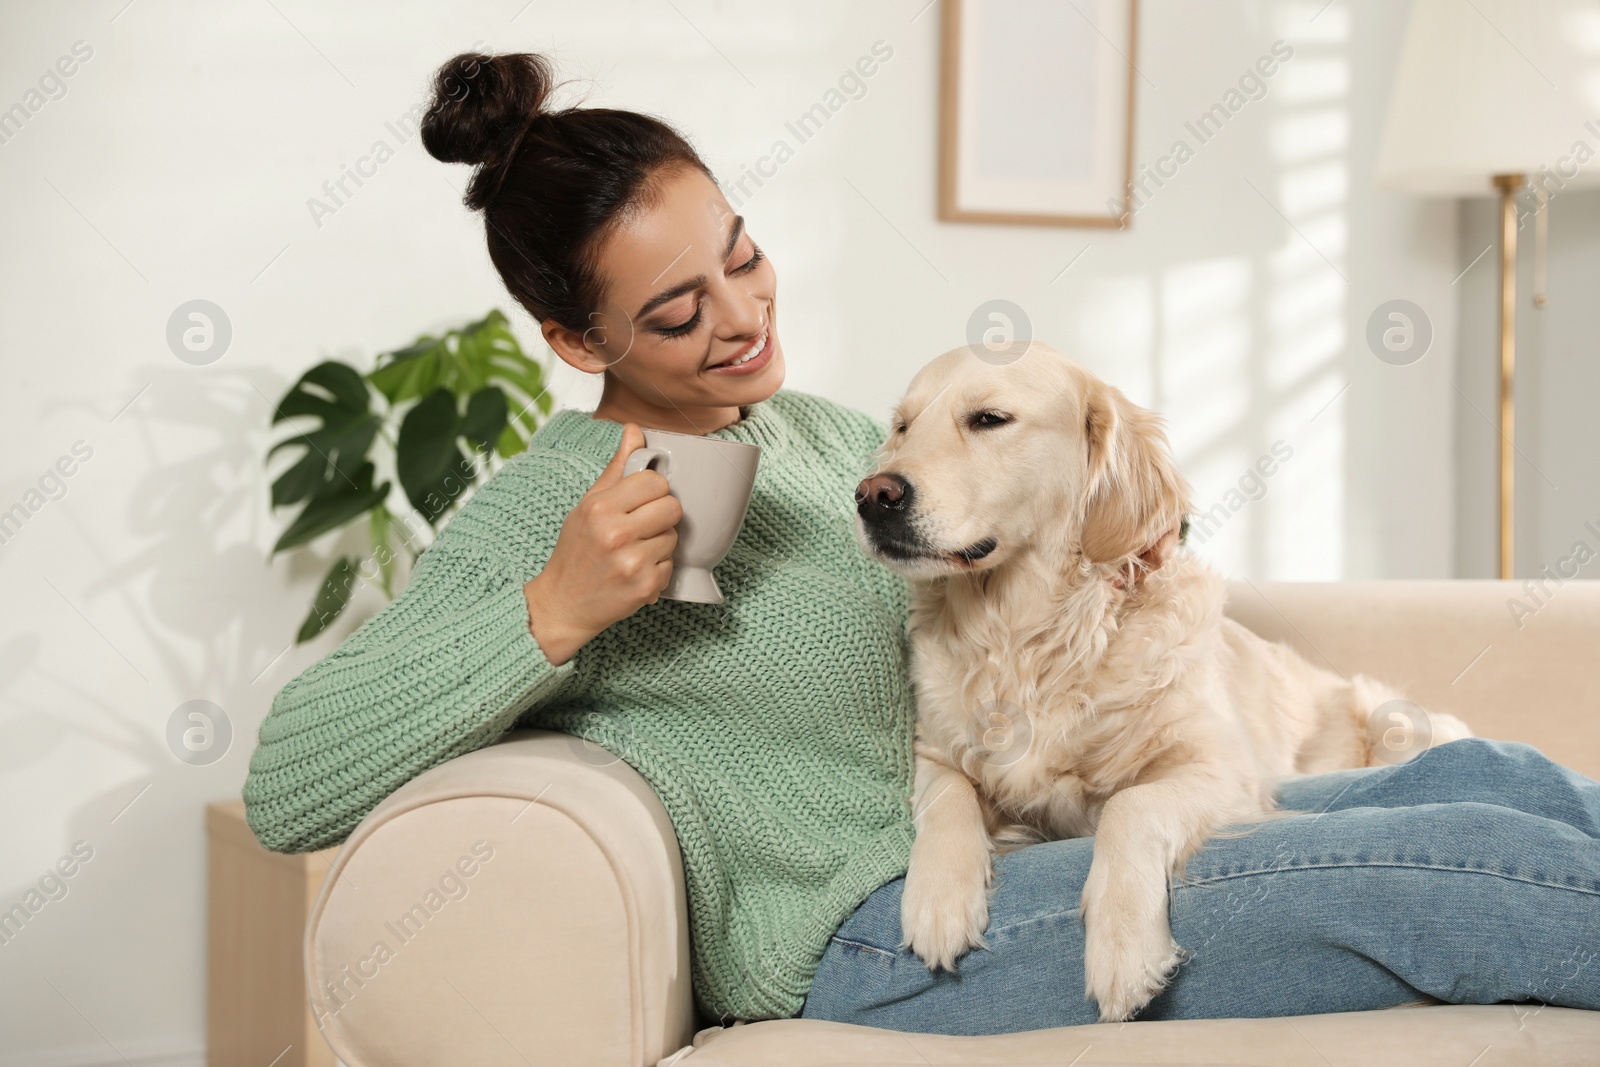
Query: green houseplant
442	413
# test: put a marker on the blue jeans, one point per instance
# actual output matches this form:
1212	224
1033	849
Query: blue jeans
1470	874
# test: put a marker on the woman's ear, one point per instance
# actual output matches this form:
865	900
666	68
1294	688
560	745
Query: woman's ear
571	346
1134	494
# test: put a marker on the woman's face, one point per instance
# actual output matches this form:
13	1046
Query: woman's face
689	316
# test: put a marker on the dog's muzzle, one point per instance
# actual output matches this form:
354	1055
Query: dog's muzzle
885	503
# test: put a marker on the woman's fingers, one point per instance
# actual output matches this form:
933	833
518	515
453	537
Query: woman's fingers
636	489
659	548
656	516
632	441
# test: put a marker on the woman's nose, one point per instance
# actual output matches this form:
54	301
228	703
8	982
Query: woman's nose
746	317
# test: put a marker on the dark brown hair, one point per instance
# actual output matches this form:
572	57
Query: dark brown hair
550	184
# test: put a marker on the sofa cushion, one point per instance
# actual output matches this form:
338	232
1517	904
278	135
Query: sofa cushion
1527	1035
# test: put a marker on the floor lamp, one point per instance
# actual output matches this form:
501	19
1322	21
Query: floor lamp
1489	100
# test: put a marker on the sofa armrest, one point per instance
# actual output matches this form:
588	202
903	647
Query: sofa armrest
522	903
1513	664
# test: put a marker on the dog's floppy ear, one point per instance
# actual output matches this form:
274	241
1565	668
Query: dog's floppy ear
1134	494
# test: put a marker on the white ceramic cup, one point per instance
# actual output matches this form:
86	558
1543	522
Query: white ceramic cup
712	479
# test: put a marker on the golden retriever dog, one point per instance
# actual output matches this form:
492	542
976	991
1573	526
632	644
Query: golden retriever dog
1075	674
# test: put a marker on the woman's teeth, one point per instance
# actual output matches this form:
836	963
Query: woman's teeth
750	353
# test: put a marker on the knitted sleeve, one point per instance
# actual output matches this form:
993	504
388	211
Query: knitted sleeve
447	667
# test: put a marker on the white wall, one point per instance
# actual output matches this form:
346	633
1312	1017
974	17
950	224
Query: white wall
178	166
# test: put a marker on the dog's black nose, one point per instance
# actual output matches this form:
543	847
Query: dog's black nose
882	496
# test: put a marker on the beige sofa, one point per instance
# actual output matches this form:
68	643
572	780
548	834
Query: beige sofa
524	904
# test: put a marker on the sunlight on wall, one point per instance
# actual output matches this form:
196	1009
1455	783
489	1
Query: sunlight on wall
1205	352
1204	358
1306	299
1247	349
1112	333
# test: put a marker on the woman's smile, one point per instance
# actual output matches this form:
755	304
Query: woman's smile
752	359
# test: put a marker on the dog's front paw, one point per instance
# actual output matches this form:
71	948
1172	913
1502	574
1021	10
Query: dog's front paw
1124	969
1128	952
944	912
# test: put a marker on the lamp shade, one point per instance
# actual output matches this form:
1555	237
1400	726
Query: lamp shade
1489	87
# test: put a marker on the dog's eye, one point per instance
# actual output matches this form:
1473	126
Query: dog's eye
986	420
899	427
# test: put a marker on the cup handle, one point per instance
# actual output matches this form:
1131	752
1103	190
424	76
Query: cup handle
655	459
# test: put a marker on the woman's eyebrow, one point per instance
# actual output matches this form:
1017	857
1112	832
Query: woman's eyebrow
697	281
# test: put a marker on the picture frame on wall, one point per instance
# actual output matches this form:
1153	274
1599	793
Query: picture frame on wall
1036	103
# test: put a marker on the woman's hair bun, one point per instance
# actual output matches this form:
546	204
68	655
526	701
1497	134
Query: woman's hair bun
480	104
549	182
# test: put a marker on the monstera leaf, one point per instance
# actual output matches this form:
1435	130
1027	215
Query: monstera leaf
333	596
335	394
337	502
466	361
432	467
452	406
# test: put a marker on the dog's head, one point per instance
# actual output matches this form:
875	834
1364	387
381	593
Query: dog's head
984	463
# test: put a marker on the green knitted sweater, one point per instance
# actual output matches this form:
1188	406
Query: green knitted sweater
776	727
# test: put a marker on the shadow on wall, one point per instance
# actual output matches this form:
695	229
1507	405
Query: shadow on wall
216	641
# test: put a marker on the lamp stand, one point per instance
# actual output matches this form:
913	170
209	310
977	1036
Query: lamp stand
1509	185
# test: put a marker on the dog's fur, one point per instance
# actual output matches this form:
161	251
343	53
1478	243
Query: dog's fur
1074	671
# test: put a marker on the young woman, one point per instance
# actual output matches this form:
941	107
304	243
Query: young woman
776	728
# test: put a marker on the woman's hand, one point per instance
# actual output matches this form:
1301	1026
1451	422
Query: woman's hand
612	557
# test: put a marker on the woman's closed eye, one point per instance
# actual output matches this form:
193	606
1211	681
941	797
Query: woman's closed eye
688	325
752	263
